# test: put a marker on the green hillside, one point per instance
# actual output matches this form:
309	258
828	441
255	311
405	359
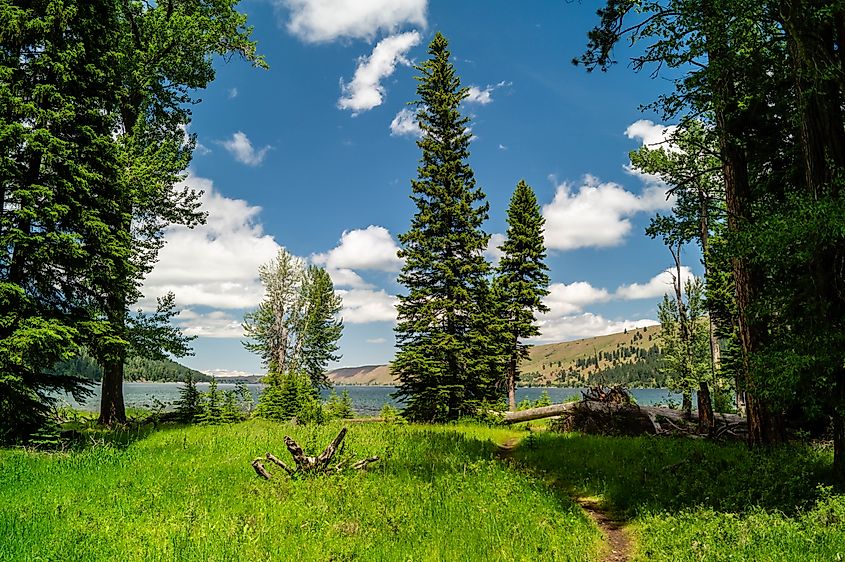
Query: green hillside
631	357
136	369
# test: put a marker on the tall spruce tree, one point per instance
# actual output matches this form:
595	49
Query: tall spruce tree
521	281
57	165
444	359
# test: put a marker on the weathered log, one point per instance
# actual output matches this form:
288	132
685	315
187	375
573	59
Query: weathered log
538	413
272	458
260	470
303	462
326	456
362	464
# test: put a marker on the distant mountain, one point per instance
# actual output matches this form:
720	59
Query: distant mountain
630	357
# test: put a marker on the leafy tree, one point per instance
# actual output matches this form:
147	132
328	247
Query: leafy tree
163	53
684	341
521	280
446	362
296	327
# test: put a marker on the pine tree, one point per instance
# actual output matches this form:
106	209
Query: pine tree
444	360
521	281
188	405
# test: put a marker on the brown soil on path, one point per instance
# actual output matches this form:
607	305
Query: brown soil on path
616	538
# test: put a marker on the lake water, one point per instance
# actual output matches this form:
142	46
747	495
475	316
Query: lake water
366	400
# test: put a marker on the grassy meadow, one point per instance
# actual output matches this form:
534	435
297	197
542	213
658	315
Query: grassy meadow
439	493
189	493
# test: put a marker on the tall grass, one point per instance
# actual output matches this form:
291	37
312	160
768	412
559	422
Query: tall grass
189	493
695	500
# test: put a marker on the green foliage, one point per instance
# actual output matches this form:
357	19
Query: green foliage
339	406
447	360
521	280
297	326
684	339
211	405
391	414
289	395
189	404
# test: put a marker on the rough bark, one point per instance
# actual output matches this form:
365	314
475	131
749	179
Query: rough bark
308	465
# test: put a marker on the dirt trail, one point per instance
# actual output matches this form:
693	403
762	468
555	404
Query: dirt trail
616	538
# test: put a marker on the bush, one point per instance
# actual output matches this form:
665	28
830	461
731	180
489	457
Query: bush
287	396
339	407
189	404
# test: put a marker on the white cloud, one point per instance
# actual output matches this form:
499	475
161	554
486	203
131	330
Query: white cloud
493	251
597	214
502	147
215	264
566	299
405	123
365	91
562	328
241	148
377	340
651	134
370	248
477	95
233	93
215	324
657	286
326	20
365	306
347	278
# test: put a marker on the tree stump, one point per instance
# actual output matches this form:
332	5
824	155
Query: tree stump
307	465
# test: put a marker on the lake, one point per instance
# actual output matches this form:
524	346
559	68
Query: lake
366	400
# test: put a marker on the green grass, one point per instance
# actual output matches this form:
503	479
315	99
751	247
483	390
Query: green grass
189	494
694	500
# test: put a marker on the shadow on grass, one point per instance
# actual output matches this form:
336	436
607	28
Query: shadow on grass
649	473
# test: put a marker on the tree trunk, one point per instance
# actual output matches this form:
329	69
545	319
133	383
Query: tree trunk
686	402
112	409
706	422
512	381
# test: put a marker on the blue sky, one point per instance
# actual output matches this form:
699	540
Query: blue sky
316	155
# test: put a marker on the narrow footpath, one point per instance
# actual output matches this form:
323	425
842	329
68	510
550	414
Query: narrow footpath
616	538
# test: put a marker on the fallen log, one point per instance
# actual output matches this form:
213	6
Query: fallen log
611	418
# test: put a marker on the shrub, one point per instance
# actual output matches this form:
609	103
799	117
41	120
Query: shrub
189	404
339	406
289	395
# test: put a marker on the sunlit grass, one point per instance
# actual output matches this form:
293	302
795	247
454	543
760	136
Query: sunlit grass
439	493
695	500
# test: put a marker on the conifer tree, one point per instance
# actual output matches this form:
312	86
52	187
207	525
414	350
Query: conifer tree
521	281
443	362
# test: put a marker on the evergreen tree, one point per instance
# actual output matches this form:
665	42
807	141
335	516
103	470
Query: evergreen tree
189	403
521	281
288	395
57	165
211	411
444	363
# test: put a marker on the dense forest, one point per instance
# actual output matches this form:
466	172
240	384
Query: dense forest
136	369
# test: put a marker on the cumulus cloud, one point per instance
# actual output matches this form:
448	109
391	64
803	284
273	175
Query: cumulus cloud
370	248
215	324
569	298
377	340
483	96
317	21
596	214
241	148
347	278
651	134
562	328
657	286
405	124
362	306
215	264
493	251
365	91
